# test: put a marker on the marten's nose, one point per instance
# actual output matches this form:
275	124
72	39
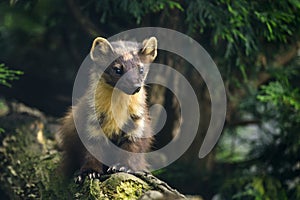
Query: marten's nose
137	90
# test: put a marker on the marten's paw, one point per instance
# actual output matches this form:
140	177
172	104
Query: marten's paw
141	173
90	174
119	168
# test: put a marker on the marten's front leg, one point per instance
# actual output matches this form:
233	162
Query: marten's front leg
133	163
91	168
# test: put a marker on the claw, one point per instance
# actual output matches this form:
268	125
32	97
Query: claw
122	169
119	168
90	174
78	179
114	168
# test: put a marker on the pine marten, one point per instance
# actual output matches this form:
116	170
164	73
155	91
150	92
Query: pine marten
124	119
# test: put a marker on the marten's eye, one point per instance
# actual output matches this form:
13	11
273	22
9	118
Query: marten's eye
118	71
141	70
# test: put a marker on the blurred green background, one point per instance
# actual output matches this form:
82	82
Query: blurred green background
255	44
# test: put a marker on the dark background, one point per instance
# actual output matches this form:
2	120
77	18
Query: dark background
254	43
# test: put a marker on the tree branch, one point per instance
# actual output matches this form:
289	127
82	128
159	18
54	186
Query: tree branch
280	60
30	158
84	22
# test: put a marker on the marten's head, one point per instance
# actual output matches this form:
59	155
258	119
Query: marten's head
124	61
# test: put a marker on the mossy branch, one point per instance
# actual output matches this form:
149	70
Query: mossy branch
30	156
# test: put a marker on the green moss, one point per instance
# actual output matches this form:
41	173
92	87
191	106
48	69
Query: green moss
27	166
117	186
124	186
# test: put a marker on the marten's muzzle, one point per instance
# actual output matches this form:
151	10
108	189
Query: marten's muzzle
137	90
130	90
130	82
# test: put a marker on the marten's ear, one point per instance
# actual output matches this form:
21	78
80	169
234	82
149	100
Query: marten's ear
149	50
101	47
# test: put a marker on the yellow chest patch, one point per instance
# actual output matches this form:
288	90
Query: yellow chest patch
117	107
